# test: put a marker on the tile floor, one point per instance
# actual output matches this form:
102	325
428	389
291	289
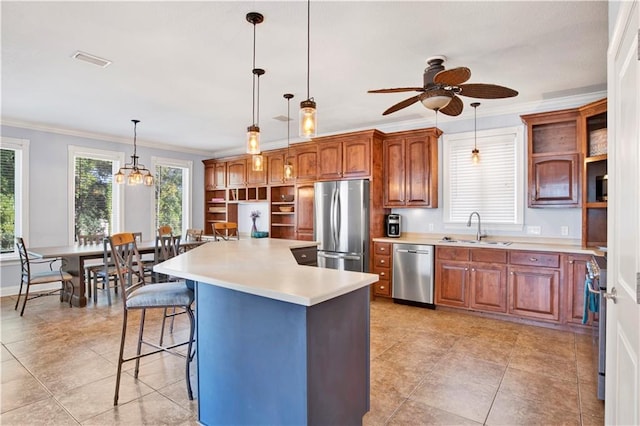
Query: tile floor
427	367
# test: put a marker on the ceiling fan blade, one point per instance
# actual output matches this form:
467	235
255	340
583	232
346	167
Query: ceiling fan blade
486	91
452	77
402	104
398	89
453	108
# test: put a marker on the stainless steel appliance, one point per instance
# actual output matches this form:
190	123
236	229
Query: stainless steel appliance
597	274
413	274
393	222
341	224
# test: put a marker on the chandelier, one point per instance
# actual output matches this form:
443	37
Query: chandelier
138	173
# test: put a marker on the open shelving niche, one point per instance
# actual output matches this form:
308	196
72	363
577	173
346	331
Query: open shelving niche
283	222
595	171
222	204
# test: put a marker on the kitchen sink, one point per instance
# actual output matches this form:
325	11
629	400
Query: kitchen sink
480	243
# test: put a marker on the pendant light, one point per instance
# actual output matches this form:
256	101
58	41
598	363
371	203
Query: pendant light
257	160
308	116
138	173
253	131
288	167
475	154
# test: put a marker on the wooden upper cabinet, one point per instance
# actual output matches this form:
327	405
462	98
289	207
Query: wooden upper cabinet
306	162
237	172
555	155
220	175
275	167
344	156
256	177
411	169
209	175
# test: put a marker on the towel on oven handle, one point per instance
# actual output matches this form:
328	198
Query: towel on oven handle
591	302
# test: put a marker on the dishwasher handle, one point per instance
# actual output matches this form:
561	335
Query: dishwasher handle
412	251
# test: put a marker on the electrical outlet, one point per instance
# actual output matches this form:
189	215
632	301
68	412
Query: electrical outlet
564	230
533	230
431	227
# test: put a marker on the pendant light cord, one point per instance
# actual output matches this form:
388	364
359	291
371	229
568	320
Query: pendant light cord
253	96
308	43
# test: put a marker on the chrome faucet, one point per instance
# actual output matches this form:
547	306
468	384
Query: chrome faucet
479	234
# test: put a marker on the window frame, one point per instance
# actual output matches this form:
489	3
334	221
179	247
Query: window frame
187	191
450	141
117	159
21	226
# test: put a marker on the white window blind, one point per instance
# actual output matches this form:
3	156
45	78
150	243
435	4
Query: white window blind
493	186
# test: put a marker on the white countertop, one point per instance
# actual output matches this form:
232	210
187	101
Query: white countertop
264	267
539	244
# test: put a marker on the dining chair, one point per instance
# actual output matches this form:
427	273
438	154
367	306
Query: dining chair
30	278
225	230
140	295
93	267
106	272
194	234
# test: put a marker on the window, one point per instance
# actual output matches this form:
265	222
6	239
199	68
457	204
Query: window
96	203
172	195
493	187
14	185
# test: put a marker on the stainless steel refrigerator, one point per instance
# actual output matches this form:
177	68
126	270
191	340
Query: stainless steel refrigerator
341	224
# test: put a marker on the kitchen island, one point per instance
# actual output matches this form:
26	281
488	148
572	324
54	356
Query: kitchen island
277	342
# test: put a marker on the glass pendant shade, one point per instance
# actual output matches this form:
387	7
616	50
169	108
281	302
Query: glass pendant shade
475	156
253	140
119	177
308	119
257	163
288	171
148	179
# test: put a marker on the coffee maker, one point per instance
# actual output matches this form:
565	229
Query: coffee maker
393	225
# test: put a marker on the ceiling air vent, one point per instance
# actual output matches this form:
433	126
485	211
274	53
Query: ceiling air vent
92	59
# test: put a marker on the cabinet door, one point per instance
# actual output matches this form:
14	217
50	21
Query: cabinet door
417	169
534	292
256	177
356	158
451	288
275	168
329	160
306	167
488	287
553	181
576	274
304	212
220	175
236	173
394	173
209	177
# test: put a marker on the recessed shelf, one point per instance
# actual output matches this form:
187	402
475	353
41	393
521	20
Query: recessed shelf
596	205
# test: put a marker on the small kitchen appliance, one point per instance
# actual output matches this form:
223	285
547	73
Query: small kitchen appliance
393	225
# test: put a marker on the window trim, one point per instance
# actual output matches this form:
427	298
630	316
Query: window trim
517	132
21	146
118	194
187	184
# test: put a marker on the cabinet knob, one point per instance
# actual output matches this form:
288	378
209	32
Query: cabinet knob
512	273
382	261
466	269
381	248
381	287
533	259
571	262
473	269
382	274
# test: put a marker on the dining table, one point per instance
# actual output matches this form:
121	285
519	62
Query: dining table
74	257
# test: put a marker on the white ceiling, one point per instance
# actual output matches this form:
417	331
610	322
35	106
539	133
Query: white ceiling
184	68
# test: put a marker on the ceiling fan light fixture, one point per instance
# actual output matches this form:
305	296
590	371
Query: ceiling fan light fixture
437	99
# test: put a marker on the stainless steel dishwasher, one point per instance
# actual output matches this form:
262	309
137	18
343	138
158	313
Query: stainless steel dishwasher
413	274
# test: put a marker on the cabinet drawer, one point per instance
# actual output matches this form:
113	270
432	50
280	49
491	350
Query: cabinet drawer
383	272
529	258
489	255
382	261
382	288
452	253
382	248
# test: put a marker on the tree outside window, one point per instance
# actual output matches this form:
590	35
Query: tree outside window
170	196
7	199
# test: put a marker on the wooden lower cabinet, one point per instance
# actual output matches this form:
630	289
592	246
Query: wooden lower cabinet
471	278
304	211
534	292
488	287
382	259
576	270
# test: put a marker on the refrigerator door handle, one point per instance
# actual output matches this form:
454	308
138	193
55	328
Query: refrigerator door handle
339	256
338	217
334	217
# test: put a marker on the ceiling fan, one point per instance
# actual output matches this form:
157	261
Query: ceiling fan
442	87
